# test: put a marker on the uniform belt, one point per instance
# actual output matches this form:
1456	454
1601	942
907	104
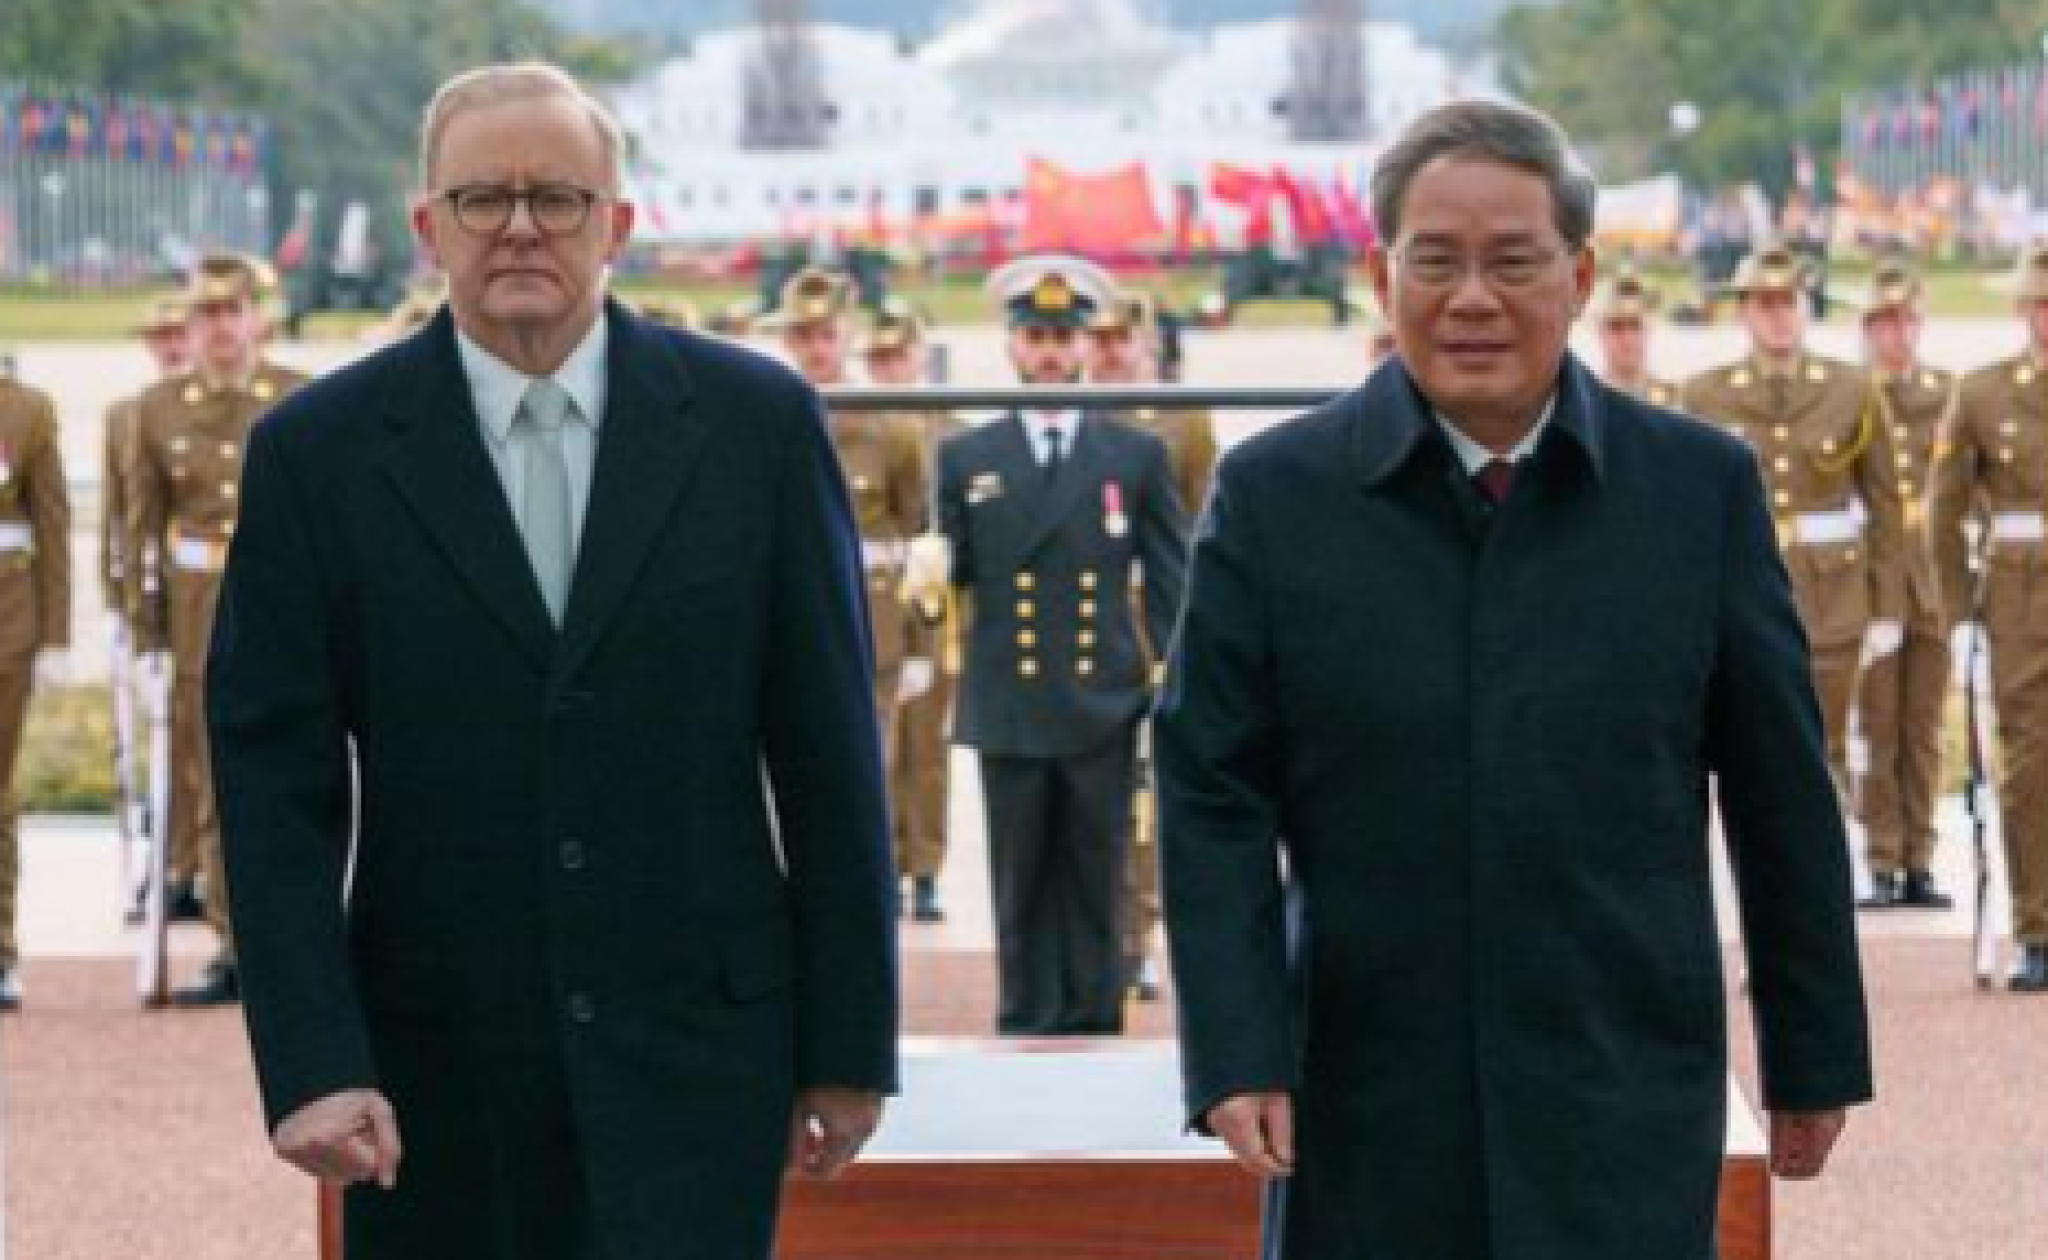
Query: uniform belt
883	553
15	536
1809	529
2018	527
197	553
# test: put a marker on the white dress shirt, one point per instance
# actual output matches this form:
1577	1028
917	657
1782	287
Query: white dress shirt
1037	424
495	388
1475	457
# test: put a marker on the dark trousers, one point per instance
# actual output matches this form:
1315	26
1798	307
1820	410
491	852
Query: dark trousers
1057	833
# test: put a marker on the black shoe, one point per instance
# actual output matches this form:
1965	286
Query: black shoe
1918	891
2031	976
10	990
183	904
1887	889
924	900
219	985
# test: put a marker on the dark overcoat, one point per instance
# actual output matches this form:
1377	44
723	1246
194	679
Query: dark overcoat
617	891
1487	739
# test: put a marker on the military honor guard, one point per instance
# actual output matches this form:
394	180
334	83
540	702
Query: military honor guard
35	614
883	457
1901	699
1126	346
893	352
1051	516
166	338
1622	316
1991	464
1817	427
190	433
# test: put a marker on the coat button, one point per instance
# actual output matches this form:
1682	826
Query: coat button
582	1008
572	854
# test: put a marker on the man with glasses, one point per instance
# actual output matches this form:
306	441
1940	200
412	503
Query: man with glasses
543	638
1829	468
1464	653
185	501
1050	515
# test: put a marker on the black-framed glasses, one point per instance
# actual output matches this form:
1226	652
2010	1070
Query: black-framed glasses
487	209
1437	267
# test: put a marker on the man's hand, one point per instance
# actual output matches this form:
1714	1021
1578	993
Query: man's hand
1801	1140
346	1137
1259	1129
1881	638
915	680
52	668
829	1128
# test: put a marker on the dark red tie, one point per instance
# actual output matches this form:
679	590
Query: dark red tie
1494	478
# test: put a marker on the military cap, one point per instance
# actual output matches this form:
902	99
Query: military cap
1773	269
673	312
811	295
1625	297
228	278
1127	312
1051	290
894	326
2030	274
1893	286
166	314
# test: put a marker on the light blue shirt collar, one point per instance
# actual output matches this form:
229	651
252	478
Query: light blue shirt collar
496	387
1475	457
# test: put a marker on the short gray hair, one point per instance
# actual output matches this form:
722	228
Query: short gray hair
513	81
1487	131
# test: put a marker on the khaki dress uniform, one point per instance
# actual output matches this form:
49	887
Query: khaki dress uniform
1903	693
35	598
1657	393
919	769
189	441
1829	469
1190	437
882	456
1993	462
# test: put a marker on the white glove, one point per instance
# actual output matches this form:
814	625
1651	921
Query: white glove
1881	639
915	680
925	571
52	668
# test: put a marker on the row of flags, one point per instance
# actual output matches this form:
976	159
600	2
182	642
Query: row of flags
82	128
1959	109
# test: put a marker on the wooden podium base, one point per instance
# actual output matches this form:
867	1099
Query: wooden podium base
1071	1150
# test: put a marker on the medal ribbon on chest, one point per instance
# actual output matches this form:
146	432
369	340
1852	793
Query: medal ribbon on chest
1114	522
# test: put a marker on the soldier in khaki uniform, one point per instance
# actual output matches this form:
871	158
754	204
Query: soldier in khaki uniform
893	352
1992	463
1622	317
1902	696
1125	348
165	336
1829	468
190	431
883	457
35	613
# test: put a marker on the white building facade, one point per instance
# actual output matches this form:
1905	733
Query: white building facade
1087	85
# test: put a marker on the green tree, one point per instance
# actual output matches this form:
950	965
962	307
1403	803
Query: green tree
1765	76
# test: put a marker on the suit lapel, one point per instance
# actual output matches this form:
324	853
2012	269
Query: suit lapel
443	473
1078	474
647	446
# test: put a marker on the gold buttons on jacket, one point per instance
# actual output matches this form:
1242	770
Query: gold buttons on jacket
1086	639
1026	609
1782	498
1816	373
1084	667
262	390
1782	463
1781	432
1088	579
194	394
1027	668
1087	608
1026	580
2023	374
1027	638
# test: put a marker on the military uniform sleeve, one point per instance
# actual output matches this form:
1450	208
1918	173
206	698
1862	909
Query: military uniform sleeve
48	506
113	510
1162	548
910	486
950	502
149	514
1877	477
1949	485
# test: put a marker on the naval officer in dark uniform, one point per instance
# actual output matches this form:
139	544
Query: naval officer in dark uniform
1049	516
